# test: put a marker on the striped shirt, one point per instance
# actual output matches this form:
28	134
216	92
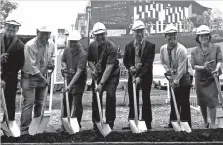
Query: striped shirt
179	59
37	56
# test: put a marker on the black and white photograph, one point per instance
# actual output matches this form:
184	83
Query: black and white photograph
111	72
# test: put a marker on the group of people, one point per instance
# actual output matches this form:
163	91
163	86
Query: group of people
37	55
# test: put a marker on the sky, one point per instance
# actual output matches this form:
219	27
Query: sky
61	14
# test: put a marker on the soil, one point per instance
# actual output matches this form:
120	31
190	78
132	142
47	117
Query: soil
94	136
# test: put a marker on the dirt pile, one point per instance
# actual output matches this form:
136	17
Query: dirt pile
94	136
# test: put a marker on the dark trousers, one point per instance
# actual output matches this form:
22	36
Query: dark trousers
182	96
10	95
110	113
146	102
75	101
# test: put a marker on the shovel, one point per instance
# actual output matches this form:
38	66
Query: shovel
39	124
70	124
136	126
177	125
102	127
10	128
220	119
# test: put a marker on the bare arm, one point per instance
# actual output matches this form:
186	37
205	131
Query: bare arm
76	76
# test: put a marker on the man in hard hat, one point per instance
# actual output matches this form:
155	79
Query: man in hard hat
138	59
74	63
38	59
12	60
104	64
173	56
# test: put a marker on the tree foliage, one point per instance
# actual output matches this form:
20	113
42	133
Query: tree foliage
6	7
212	18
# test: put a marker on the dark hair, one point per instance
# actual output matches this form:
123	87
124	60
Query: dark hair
197	38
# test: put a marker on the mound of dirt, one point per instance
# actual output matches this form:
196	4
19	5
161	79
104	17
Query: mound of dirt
94	136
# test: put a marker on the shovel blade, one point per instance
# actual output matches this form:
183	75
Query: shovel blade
34	125
43	124
176	125
137	126
133	126
67	126
103	128
74	125
5	129
185	126
10	130
220	122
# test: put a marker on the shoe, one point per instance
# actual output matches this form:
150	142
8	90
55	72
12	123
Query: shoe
208	125
111	124
148	125
126	127
24	132
62	129
168	126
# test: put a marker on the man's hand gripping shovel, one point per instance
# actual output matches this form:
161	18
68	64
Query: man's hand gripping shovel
10	128
102	127
178	125
39	124
136	125
70	124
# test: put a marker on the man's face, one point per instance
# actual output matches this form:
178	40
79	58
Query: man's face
43	37
139	34
171	38
204	38
11	30
100	38
73	43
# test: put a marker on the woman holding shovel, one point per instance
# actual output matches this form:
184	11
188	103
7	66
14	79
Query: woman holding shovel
74	62
173	57
205	60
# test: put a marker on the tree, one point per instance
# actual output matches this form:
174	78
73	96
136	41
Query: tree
6	7
205	18
217	19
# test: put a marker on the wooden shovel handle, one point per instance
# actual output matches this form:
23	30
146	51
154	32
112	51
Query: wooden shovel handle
99	104
66	95
219	90
4	105
135	101
175	104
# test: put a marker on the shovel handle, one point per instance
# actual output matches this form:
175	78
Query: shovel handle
66	95
4	105
45	96
99	104
219	90
134	100
175	104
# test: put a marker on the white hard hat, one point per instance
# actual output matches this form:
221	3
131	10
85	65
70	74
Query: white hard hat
74	35
99	28
138	25
203	29
12	21
170	29
44	28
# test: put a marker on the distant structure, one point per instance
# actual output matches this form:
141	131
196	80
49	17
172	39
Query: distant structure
119	15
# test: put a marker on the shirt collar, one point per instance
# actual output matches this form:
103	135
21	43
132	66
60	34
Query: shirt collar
135	42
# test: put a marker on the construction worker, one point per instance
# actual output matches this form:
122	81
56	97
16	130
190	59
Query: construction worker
173	56
104	64
12	60
38	59
138	59
74	63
